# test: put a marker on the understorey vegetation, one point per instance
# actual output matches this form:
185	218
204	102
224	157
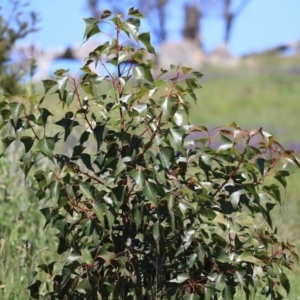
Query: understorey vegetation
144	204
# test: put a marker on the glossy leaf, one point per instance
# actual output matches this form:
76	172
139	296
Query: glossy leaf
16	110
138	176
166	156
228	293
85	188
150	191
46	146
91	27
180	278
55	190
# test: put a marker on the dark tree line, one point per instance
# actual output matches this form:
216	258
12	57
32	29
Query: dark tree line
194	12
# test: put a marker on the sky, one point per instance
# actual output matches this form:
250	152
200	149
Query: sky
261	25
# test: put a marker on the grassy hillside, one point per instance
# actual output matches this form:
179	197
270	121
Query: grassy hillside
263	92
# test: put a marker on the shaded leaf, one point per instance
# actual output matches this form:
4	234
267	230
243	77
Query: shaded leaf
145	39
228	293
27	141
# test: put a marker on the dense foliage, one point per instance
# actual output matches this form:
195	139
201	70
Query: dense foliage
147	206
14	26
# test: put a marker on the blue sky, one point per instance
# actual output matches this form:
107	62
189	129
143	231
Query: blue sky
261	25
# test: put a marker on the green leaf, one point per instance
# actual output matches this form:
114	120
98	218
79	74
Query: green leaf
111	216
191	297
106	13
178	135
55	188
91	27
156	231
99	134
208	213
117	195
181	278
219	281
85	188
46	146
240	277
99	210
123	56
16	110
145	39
45	113
166	105
285	282
86	159
6	142
200	250
235	198
88	285
28	142
228	293
74	255
138	176
48	85
67	123
261	166
135	12
62	83
138	214
131	26
141	108
138	72
69	98
166	156
106	255
210	290
248	257
150	192
280	176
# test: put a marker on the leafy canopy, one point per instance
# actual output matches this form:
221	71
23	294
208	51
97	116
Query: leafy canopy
147	206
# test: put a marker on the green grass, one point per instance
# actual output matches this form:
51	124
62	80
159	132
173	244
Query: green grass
265	97
265	94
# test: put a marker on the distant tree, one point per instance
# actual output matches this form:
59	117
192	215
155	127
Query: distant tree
192	20
230	14
14	26
157	8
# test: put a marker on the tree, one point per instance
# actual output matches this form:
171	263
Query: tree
192	21
229	15
143	209
12	29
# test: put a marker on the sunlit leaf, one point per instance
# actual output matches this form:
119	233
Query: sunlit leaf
55	190
46	146
16	110
180	278
91	27
85	188
150	191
